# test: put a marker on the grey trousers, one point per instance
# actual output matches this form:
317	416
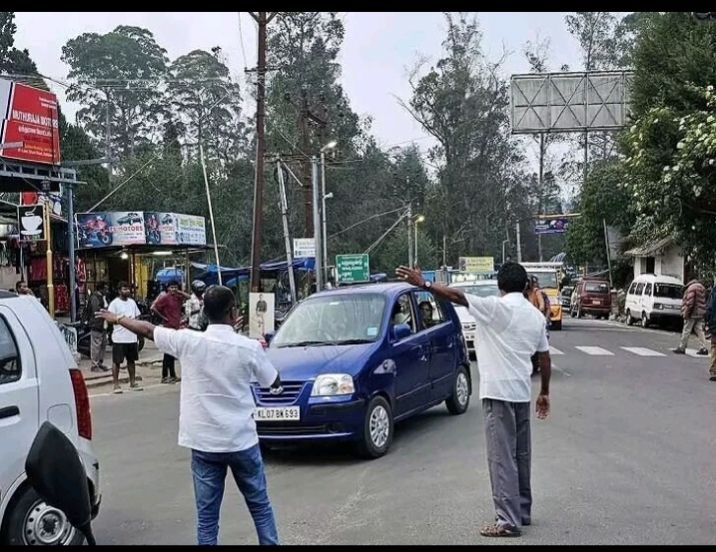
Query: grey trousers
693	325
98	347
509	456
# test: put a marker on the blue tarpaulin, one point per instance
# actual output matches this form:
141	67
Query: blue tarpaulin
166	275
210	272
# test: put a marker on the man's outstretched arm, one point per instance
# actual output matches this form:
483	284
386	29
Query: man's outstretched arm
414	277
138	327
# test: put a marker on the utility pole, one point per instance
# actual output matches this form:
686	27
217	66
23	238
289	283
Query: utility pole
410	234
305	148
315	191
263	19
541	190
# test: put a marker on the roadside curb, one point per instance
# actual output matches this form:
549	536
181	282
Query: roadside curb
106	380
94	379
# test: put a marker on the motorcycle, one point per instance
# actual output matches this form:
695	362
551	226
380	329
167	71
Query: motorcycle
55	471
103	235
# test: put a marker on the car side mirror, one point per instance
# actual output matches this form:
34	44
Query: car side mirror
55	471
401	331
268	337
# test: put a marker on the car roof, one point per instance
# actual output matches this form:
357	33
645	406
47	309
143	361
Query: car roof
660	278
389	289
475	283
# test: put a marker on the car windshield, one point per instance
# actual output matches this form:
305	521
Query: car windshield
545	279
668	291
596	287
333	320
486	290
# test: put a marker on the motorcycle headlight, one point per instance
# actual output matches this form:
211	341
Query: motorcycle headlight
330	385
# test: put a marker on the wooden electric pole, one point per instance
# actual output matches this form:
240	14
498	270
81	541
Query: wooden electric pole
263	19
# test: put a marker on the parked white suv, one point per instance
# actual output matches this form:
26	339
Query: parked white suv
39	381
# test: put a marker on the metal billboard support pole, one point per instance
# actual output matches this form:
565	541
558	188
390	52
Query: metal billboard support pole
286	235
316	192
69	190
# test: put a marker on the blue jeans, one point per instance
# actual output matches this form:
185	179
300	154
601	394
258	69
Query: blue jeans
209	471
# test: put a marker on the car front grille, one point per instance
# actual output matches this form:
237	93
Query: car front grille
291	392
294	429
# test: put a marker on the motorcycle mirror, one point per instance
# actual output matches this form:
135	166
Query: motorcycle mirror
55	471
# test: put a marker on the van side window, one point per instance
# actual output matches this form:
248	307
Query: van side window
639	288
647	291
9	358
632	289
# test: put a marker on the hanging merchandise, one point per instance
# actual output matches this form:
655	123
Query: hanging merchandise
80	270
38	269
62	298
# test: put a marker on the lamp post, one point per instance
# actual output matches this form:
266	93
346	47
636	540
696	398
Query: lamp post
324	197
418	219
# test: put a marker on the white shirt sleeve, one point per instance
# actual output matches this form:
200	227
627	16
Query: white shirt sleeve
261	366
543	346
482	309
168	341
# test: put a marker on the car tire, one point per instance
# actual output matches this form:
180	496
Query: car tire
378	429
19	528
459	401
557	325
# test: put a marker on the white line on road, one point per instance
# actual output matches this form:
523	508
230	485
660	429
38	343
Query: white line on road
555	367
595	351
643	351
554	351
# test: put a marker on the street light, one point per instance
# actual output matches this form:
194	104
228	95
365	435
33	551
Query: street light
419	218
324	197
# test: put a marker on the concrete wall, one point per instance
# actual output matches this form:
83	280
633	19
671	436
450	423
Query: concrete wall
671	263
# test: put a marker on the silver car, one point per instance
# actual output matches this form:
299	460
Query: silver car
481	288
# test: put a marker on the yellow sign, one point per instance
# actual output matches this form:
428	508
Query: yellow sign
476	264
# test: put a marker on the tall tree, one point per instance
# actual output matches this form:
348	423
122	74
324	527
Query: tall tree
462	102
208	103
118	77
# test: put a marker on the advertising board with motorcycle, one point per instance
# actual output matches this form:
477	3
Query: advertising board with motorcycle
121	229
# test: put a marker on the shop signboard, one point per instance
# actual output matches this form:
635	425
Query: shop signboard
190	230
476	264
29	122
116	229
31	222
121	229
556	225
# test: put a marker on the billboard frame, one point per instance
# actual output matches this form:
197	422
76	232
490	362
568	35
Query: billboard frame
569	102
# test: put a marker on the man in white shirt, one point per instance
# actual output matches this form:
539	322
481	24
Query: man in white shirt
216	410
125	344
509	331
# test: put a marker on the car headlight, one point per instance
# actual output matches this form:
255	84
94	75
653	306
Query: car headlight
658	306
329	385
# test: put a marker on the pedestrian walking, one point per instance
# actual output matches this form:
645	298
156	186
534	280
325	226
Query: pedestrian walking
693	308
194	305
216	410
125	345
169	307
710	320
509	330
98	327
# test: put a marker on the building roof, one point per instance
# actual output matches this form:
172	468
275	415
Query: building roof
652	248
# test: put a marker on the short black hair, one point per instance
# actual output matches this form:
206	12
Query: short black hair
218	302
18	284
101	285
123	284
171	283
512	278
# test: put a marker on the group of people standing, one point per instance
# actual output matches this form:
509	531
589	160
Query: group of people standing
174	307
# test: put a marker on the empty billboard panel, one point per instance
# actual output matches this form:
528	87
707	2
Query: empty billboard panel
569	102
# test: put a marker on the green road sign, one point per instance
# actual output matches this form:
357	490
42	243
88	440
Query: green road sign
352	269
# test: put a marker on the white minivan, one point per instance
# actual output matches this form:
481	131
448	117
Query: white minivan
654	299
39	381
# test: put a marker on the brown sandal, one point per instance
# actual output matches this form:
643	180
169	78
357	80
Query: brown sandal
494	530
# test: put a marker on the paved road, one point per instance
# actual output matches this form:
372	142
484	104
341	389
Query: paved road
626	457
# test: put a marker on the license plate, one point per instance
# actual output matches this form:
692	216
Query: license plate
597	302
277	414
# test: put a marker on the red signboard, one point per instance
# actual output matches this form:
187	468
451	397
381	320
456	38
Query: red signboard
30	117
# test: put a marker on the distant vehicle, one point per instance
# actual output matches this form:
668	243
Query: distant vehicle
356	360
130	218
549	281
39	381
593	296
654	299
566	297
481	288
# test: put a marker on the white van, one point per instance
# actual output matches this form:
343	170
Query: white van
651	298
39	381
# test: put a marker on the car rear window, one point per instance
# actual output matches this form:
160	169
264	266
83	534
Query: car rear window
668	291
596	287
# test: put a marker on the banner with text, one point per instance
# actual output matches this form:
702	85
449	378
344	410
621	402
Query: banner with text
476	264
557	225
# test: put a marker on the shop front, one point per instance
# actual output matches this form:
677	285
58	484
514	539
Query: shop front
138	247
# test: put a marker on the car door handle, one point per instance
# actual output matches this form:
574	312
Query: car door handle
9	412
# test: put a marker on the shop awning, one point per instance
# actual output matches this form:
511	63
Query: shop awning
210	271
651	249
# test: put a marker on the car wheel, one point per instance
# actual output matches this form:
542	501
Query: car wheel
629	319
459	401
377	429
31	522
557	325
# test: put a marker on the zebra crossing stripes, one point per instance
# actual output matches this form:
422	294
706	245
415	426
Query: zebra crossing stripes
553	351
595	351
643	351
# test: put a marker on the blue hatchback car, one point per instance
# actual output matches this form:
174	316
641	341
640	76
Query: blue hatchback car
355	360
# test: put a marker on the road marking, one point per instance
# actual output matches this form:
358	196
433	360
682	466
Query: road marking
564	372
595	351
643	351
554	351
